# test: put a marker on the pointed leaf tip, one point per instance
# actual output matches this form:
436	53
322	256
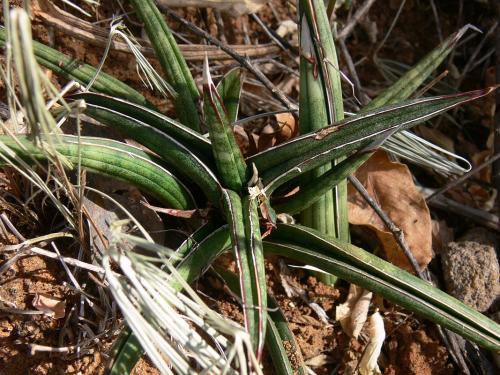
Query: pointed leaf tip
475	94
207	77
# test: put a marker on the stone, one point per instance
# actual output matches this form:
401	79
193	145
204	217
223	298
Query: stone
471	271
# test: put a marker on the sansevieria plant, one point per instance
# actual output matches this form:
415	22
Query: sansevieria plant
183	169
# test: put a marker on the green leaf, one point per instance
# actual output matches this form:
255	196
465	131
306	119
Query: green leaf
73	69
414	148
314	189
313	115
125	354
177	156
290	159
278	336
114	159
228	157
256	263
200	235
278	333
321	104
195	141
171	60
203	254
355	265
229	89
404	87
247	250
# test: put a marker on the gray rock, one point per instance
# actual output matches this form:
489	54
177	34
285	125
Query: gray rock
471	272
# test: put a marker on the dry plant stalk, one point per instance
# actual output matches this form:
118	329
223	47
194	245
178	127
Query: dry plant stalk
237	7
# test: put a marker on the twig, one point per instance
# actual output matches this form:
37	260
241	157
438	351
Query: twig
394	21
244	61
496	166
35	348
11	226
12	310
354	74
436	19
473	57
282	43
396	232
481	217
71	261
462	178
448	337
98	36
360	13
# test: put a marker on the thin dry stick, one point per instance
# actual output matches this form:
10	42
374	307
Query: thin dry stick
281	42
67	260
396	232
244	61
473	57
462	178
448	337
496	166
436	19
394	21
360	13
98	36
354	74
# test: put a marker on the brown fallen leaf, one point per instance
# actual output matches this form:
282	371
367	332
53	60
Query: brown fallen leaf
264	133
51	306
391	185
479	158
287	125
242	139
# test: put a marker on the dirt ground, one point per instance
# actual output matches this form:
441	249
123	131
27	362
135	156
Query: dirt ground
412	345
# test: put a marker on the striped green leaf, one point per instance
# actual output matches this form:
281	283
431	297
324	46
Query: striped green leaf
355	265
290	159
125	353
202	253
114	159
229	89
313	190
255	259
408	84
196	142
278	333
228	157
281	343
73	69
321	104
313	115
244	228
178	157
171	60
410	146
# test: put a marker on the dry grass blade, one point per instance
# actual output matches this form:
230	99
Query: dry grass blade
159	314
